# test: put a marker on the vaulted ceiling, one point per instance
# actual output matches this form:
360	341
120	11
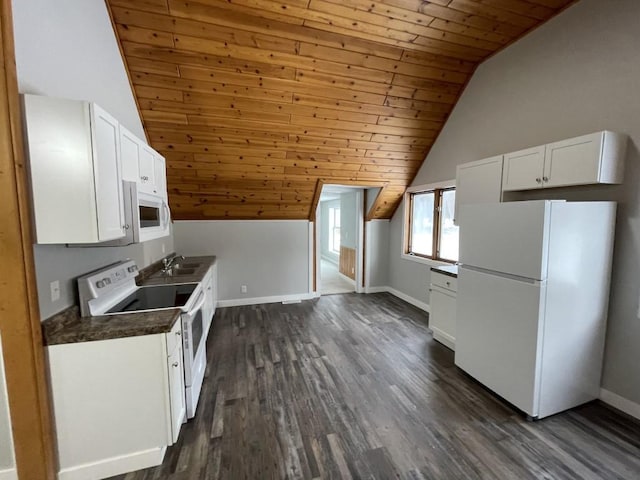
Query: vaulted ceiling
256	103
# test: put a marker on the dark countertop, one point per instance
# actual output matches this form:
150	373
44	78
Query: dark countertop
451	270
69	327
149	275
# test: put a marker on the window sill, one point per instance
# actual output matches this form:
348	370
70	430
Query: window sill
426	261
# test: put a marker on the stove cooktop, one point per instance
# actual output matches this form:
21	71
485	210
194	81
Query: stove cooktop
155	297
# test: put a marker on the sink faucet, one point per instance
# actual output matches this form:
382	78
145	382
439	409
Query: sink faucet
167	263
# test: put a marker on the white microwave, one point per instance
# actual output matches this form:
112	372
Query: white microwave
147	216
151	220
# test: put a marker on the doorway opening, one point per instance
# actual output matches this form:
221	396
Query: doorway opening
338	229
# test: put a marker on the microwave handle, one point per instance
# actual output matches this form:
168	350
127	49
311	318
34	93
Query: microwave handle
166	216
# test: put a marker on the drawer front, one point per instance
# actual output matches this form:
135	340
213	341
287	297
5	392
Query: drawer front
444	281
174	337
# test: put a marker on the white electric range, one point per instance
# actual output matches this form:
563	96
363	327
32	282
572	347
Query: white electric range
113	291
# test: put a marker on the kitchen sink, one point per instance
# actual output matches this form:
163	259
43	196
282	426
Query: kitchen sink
188	265
182	270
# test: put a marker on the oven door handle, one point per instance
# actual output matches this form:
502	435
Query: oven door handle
198	305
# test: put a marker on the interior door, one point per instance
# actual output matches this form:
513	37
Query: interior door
498	332
510	237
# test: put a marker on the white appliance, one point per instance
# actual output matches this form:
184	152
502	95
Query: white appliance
113	291
147	217
533	292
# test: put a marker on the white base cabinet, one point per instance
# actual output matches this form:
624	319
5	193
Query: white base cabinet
117	403
210	288
442	317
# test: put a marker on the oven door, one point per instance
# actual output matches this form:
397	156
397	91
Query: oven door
153	217
193	340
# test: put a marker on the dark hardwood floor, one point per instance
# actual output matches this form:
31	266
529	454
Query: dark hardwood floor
354	386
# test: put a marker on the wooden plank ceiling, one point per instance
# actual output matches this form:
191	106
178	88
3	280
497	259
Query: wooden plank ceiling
255	103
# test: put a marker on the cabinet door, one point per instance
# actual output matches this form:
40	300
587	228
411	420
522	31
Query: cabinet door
105	137
129	154
442	318
478	182
573	162
176	391
147	169
523	170
160	176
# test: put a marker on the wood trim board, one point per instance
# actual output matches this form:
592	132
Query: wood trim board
20	320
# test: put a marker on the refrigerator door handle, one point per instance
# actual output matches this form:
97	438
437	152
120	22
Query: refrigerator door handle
517	278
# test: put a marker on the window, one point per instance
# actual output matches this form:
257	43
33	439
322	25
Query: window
334	229
430	230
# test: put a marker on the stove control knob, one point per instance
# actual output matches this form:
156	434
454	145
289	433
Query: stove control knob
132	269
106	281
100	283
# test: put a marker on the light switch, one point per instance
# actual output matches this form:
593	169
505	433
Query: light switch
55	290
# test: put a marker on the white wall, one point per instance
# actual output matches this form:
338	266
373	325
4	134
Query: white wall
67	48
576	74
6	438
349	219
270	257
377	253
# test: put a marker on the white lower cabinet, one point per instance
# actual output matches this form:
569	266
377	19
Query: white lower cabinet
117	403
442	317
210	287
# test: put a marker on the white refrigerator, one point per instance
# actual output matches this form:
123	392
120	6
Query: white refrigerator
533	292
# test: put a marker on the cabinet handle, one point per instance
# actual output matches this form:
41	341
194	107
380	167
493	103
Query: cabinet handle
178	333
538	180
126	227
448	283
545	179
176	364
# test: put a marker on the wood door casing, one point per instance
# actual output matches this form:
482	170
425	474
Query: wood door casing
20	319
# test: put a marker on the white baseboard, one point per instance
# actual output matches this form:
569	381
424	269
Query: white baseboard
9	474
236	302
413	301
444	338
114	466
621	403
376	289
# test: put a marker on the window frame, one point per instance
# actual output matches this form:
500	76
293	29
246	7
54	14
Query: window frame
437	188
334	213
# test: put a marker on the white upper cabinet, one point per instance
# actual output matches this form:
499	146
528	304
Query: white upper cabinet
523	169
478	182
584	160
74	162
143	165
594	158
108	173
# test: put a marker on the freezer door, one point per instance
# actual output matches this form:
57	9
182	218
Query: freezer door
498	335
509	238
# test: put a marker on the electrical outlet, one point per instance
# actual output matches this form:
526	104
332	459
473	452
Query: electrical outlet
243	289
55	290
